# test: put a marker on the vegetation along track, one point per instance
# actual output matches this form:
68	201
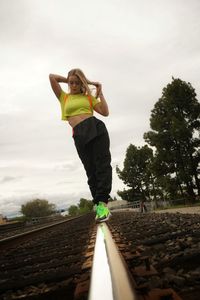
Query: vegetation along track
161	252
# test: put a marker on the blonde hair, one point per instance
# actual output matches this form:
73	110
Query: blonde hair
85	88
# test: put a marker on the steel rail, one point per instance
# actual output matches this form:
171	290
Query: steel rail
121	283
5	243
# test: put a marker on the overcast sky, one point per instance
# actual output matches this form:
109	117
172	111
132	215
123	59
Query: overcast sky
133	47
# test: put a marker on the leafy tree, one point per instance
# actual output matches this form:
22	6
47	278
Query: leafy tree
84	206
136	173
37	208
73	210
130	195
175	124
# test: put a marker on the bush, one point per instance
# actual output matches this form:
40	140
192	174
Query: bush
84	207
37	208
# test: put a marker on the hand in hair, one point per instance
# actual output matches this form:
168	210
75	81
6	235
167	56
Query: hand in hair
98	87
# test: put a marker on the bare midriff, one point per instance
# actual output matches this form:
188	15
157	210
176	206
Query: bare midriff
75	120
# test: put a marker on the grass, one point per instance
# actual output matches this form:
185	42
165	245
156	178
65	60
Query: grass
178	206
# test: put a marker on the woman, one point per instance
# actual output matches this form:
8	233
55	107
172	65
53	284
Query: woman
90	134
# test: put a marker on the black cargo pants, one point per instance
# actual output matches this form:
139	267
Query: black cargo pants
92	144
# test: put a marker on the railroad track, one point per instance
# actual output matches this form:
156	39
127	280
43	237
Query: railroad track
47	263
162	252
147	257
7	230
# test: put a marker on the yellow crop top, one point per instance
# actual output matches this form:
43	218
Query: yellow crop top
73	105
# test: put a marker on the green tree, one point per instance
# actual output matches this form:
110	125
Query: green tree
37	208
175	124
137	173
73	210
130	195
84	206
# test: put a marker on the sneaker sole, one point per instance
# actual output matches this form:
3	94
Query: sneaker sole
103	220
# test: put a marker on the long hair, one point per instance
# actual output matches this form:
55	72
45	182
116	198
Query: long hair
85	88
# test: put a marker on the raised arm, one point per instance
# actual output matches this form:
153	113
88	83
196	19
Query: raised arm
55	83
101	107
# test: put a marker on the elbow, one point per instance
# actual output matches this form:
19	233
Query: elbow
106	114
50	77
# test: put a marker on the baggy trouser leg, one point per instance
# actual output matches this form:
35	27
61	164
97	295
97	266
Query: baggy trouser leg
86	155
103	169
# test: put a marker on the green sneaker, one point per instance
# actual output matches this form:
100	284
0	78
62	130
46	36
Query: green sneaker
102	212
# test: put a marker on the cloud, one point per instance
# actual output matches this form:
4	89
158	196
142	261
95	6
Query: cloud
7	179
132	47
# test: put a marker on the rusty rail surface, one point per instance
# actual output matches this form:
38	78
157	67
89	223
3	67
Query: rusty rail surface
161	251
122	283
120	286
